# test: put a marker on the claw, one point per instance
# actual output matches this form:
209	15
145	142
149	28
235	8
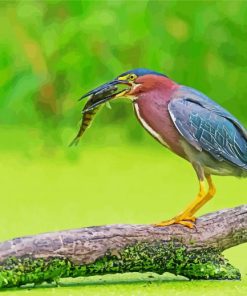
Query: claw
185	221
192	218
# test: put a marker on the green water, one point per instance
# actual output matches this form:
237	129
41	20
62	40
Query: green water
54	51
104	185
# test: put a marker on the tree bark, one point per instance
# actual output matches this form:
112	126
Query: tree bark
193	253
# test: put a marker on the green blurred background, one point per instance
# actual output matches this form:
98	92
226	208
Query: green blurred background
51	52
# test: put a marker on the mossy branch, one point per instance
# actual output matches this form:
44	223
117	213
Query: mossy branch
193	253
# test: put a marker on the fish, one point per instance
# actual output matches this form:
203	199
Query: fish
91	108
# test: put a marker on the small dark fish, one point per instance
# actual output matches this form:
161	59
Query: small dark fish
86	120
89	111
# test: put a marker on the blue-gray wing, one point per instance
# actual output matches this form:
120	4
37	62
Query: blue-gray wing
207	129
193	95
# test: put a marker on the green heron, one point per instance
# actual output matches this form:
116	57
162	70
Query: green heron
186	122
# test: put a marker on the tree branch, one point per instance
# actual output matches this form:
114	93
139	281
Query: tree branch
194	253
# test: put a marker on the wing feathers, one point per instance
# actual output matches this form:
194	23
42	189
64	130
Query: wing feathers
210	129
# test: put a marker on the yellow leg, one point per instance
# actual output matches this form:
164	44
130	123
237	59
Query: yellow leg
187	218
211	192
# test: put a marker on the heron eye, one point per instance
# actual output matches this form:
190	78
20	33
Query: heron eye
132	77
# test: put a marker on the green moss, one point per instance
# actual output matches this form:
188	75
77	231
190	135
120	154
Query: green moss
157	257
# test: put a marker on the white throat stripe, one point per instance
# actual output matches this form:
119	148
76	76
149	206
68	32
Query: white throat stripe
147	127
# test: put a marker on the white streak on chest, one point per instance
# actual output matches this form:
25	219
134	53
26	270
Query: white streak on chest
148	127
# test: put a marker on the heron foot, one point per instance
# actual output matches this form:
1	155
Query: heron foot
188	221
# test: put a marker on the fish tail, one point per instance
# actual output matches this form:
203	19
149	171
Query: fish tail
75	141
84	126
85	123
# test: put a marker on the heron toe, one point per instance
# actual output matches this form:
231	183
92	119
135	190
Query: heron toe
188	221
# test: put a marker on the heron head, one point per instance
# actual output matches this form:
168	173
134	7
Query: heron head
129	84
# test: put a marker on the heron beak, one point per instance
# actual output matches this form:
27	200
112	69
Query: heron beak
105	92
